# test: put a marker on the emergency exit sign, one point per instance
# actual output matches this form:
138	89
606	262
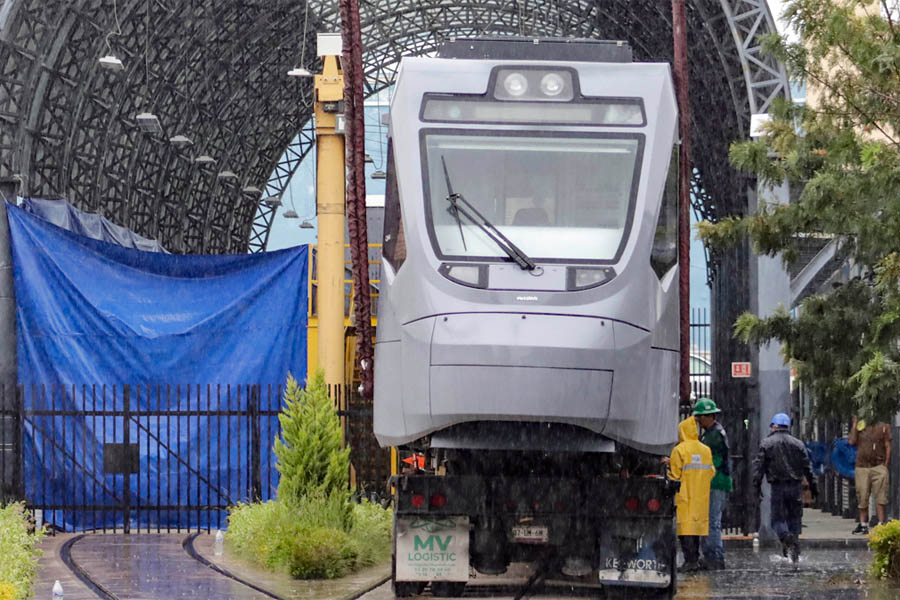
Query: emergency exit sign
740	369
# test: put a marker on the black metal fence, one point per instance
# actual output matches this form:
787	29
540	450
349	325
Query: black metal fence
155	458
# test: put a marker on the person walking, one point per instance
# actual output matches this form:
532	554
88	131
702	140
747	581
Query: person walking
873	457
714	436
782	459
691	464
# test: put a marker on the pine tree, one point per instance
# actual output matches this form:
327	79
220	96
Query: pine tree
844	151
309	450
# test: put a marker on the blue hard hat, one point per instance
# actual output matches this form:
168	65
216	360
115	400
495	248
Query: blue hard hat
782	420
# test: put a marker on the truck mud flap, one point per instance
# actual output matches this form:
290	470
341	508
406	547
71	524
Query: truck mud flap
639	553
431	548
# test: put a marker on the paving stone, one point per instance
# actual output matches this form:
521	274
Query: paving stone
51	568
152	567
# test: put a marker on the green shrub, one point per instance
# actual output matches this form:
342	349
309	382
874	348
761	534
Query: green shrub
309	450
322	553
19	554
884	541
312	530
262	533
372	529
312	539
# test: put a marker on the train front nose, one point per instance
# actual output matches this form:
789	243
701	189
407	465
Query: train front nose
529	367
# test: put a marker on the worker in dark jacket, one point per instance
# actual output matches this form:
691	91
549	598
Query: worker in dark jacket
783	461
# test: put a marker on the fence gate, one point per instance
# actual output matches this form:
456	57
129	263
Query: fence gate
129	458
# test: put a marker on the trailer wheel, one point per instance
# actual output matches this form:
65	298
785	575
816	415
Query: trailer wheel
405	589
621	592
448	589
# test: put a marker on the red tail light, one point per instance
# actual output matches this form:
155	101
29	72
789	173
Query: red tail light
418	500
653	505
632	504
438	501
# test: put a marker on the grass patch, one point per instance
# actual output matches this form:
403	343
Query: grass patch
313	539
18	553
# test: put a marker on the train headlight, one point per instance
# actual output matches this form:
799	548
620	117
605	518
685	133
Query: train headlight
470	275
552	84
584	278
515	84
556	85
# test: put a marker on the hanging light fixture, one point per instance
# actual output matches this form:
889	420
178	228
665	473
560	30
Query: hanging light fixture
300	71
180	140
368	159
273	201
306	225
205	159
379	175
110	62
291	214
148	123
227	174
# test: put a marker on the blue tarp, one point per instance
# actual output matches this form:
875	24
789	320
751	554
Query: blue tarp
92	225
843	458
90	312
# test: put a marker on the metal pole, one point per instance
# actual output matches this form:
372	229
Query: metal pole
680	69
356	188
329	87
8	359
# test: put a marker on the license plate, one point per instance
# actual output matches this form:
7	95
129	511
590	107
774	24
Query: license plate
530	534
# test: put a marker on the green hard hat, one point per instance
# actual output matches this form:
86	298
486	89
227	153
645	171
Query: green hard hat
705	406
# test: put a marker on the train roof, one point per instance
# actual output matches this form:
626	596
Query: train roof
556	49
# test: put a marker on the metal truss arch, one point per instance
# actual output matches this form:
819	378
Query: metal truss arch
214	70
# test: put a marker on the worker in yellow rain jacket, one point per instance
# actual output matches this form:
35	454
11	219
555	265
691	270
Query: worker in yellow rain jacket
691	464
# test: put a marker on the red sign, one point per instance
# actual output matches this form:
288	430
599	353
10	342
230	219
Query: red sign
740	369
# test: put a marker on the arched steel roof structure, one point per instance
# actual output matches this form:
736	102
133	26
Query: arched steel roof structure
215	71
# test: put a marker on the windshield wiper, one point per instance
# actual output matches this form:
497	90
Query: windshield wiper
453	209
503	242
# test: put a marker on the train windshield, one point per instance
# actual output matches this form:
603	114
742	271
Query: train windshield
559	197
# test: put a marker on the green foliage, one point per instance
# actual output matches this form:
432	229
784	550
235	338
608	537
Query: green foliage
312	530
843	150
322	554
311	539
310	457
884	541
371	530
18	551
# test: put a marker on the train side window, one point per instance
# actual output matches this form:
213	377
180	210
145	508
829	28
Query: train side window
664	255
394	242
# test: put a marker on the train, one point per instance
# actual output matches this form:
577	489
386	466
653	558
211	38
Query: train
527	349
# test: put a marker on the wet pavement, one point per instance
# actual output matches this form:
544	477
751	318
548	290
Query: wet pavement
156	566
821	574
152	567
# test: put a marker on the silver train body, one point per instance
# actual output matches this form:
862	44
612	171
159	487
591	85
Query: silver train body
571	161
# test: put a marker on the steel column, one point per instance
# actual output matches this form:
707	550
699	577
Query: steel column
679	33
